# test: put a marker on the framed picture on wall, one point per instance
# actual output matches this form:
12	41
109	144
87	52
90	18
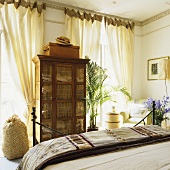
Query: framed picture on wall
157	68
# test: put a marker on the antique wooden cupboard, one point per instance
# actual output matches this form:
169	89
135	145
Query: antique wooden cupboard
60	95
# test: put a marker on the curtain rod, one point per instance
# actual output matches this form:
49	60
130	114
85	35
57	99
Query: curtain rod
92	18
25	4
61	6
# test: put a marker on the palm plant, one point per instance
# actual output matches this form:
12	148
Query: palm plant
122	90
96	91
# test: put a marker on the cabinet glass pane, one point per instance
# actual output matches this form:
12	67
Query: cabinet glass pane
47	73
47	92
80	74
46	136
64	110
46	119
64	92
64	126
80	126
80	110
80	92
46	133
48	124
64	74
46	111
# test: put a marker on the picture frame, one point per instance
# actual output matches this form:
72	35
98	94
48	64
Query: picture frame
156	68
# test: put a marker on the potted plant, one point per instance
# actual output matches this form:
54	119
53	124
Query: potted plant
161	108
96	91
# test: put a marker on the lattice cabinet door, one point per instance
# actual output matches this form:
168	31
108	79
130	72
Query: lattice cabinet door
80	94
60	85
64	84
46	89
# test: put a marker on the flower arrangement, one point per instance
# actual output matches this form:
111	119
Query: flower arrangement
161	108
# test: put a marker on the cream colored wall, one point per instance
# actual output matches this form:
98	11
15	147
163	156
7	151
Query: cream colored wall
150	41
54	24
137	81
155	44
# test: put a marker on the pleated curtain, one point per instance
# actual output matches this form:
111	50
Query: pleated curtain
22	25
107	41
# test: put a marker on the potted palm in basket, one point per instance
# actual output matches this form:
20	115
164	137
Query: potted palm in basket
96	91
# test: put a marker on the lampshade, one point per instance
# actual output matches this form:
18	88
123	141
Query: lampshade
164	69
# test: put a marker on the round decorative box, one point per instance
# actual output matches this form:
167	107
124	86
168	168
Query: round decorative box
113	120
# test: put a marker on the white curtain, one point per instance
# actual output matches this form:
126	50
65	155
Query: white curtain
22	39
119	53
85	34
110	46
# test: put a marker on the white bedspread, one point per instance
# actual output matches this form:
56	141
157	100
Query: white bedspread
149	157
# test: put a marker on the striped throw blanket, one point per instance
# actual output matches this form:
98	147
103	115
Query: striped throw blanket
85	144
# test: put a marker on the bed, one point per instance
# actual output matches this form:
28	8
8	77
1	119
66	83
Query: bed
128	148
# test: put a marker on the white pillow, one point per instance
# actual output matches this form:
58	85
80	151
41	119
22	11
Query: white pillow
134	120
137	110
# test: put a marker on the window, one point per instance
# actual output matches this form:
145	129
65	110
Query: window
11	101
0	85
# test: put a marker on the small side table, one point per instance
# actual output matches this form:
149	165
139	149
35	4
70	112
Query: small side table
113	120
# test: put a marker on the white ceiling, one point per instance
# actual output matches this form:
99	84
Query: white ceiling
137	10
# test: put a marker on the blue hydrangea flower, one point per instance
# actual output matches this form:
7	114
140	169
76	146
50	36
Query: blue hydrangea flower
161	107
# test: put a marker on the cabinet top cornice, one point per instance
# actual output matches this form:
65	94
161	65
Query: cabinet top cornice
59	59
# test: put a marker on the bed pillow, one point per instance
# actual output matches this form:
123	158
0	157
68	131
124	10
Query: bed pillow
137	110
15	138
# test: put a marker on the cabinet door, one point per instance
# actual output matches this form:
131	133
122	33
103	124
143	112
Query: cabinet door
46	100
64	99
80	99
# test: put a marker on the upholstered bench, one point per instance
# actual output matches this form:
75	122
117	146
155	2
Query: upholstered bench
136	111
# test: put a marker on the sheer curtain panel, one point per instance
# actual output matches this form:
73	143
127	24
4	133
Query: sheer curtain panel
120	56
107	41
22	38
84	30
